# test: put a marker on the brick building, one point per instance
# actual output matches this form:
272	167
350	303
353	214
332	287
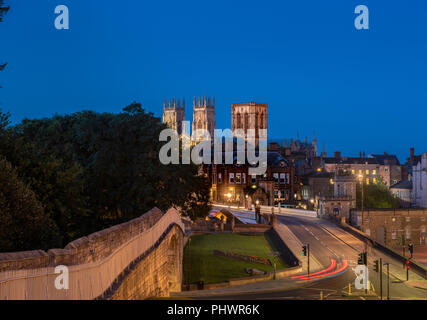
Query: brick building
393	227
231	183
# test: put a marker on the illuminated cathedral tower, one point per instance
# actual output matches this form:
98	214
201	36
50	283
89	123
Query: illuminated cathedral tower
174	114
203	117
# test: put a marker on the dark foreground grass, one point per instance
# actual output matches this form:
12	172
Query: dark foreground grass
200	264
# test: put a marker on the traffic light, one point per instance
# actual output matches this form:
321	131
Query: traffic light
376	266
408	264
411	249
304	250
362	258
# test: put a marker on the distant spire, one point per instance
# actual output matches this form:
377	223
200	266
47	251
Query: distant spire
169	103
194	101
198	102
164	103
174	102
179	103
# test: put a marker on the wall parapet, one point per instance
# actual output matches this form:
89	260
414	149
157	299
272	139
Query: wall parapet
94	261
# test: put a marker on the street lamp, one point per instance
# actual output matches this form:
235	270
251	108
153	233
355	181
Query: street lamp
257	211
363	195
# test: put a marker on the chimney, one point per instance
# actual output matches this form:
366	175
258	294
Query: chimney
412	153
360	154
337	154
363	154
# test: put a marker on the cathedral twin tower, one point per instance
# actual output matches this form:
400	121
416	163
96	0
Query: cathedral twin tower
244	116
203	115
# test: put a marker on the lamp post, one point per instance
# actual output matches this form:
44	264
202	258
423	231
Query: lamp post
363	195
257	211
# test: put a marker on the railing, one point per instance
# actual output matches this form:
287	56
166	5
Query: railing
86	281
285	211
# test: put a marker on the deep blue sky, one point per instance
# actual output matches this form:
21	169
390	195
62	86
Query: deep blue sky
360	90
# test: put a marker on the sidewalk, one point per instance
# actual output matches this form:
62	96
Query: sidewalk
267	286
295	245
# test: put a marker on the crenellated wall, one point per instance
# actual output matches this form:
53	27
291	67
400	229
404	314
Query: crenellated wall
100	264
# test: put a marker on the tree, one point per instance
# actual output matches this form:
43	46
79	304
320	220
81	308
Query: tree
122	176
376	196
57	185
3	10
23	223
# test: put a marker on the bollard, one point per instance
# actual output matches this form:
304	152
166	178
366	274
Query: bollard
349	288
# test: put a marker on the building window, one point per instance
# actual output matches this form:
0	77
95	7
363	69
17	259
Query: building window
408	233
243	178
374	180
408	219
231	178
393	234
276	178
367	180
219	178
238	178
367	171
360	171
283	178
253	179
374	171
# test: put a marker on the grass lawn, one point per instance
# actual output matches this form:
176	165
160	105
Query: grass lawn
201	264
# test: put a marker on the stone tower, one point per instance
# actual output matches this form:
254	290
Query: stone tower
203	117
174	114
314	142
250	115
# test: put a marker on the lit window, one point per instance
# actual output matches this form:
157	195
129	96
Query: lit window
374	171
374	180
367	180
231	178
352	171
367	171
360	171
253	179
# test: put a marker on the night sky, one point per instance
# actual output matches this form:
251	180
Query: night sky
361	90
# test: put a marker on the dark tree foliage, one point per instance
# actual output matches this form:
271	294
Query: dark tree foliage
118	154
376	196
56	184
3	10
23	223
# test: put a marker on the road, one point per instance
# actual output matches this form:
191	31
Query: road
326	243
